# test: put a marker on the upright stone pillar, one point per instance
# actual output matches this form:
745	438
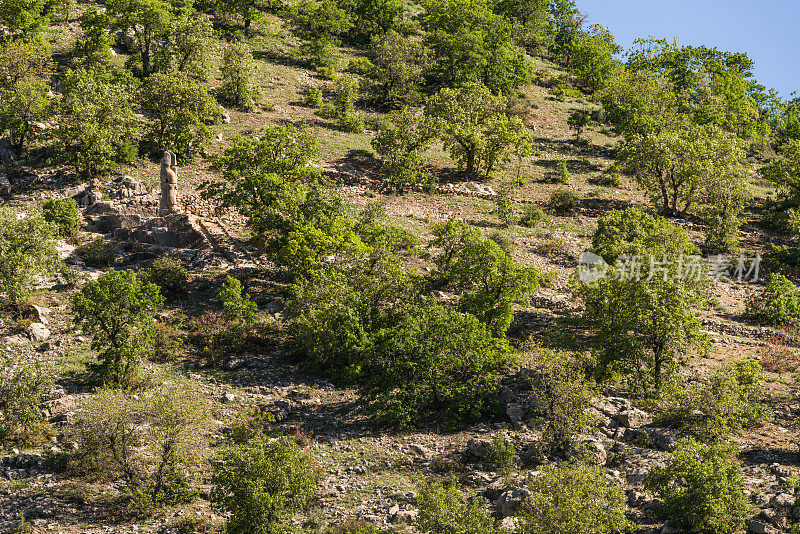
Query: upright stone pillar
169	184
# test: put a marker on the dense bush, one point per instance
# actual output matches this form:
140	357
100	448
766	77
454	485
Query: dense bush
701	487
238	71
778	304
445	510
501	453
437	365
149	440
27	250
98	252
116	310
64	213
489	279
169	273
532	216
573	499
236	305
728	401
560	389
262	483
401	143
564	201
22	386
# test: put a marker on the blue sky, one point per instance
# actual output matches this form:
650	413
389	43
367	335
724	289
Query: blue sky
768	31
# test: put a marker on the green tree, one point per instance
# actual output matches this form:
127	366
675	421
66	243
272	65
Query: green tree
19	60
578	120
475	128
236	305
529	19
27	250
24	18
191	44
778	304
262	484
676	167
21	104
93	46
573	499
472	44
490	281
149	20
64	213
263	177
592	57
644	320
402	143
238	71
372	18
640	103
96	121
116	310
399	63
319	24
445	510
702	488
180	113
23	387
437	365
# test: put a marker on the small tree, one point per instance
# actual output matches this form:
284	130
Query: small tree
149	21
445	510
191	43
778	304
490	279
475	128
27	250
399	63
702	488
237	76
116	311
402	144
148	440
437	365
64	213
560	388
237	305
319	24
644	320
23	385
573	499
181	111
592	58
96	122
21	104
578	120
262	483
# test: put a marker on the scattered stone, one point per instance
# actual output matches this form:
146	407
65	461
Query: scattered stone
5	184
228	397
38	332
510	501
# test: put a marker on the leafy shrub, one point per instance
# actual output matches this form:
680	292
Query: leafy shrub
361	67
501	453
22	386
169	274
504	205
327	111
444	510
167	346
490	281
313	98
552	247
564	91
353	526
64	213
783	260
238	71
726	403
532	216
564	201
573	499
561	390
98	253
402	143
350	122
562	174
116	311
148	440
27	250
437	364
262	483
701	487
778	304
236	305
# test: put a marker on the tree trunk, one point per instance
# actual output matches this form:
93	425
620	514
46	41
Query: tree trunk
470	162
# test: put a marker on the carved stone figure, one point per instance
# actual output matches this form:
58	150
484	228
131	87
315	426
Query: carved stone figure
169	184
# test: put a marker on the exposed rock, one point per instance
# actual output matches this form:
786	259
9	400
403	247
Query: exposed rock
38	332
177	230
478	448
759	527
596	450
510	501
40	313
